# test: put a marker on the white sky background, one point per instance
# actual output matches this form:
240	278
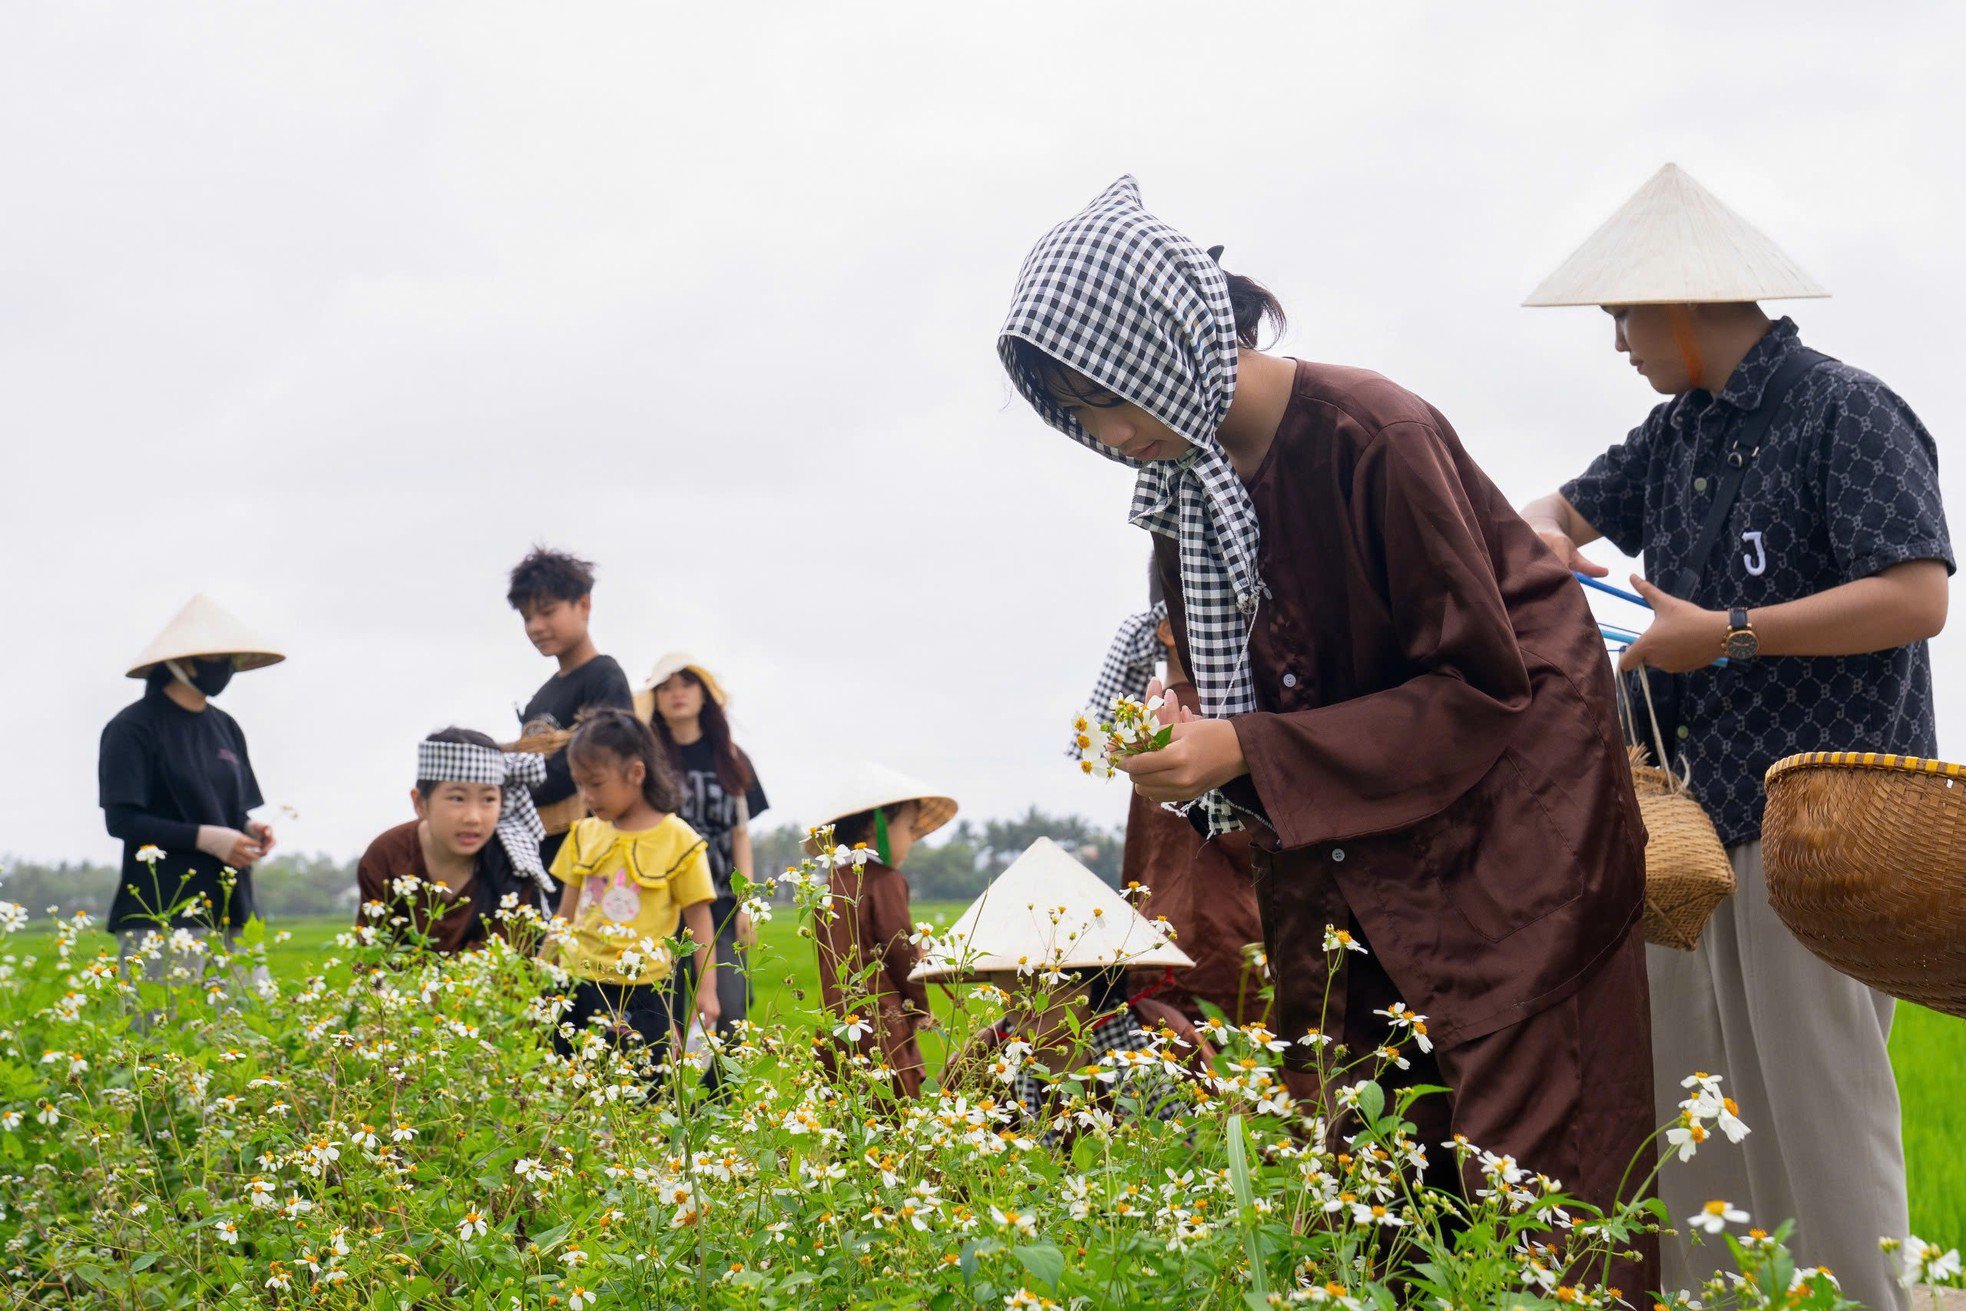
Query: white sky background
330	311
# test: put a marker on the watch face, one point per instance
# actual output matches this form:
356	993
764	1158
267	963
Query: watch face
1742	645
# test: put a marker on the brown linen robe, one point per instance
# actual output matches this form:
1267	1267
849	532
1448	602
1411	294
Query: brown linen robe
397	853
867	930
1205	893
1436	764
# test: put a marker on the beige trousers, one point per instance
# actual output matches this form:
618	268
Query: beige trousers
1802	1049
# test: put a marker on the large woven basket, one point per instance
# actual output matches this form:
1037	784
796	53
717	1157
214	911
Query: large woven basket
1687	874
1866	861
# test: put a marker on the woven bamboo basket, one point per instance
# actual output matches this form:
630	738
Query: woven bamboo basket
1866	862
1687	874
558	816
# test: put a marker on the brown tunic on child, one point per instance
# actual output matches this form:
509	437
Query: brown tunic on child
865	933
1204	892
398	853
1437	763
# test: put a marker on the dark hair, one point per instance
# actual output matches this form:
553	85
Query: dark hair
733	770
860	828
546	575
464	737
624	736
1105	989
1254	306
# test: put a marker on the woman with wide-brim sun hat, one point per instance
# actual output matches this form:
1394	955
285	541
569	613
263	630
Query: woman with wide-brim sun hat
865	957
177	785
1403	696
684	703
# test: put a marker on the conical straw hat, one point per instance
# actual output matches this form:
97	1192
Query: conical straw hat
1047	911
1674	243
203	628
864	786
668	667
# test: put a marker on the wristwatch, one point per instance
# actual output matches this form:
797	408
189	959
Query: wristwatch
1741	643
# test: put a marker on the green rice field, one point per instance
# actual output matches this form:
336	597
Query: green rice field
1927	1049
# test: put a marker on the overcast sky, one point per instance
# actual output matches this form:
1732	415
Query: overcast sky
332	310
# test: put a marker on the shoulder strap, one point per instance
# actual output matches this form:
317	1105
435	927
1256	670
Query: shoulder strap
1740	453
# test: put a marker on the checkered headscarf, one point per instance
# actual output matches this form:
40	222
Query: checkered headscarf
1143	312
516	773
1129	664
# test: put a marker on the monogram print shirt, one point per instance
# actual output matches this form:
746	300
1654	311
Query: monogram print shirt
1845	484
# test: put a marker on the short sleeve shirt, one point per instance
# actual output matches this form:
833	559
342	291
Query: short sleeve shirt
1844	484
633	888
713	812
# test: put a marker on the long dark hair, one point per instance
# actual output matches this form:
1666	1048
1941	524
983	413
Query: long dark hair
733	770
621	734
1253	304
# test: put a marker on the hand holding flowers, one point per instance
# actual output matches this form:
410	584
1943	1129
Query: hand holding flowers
1172	754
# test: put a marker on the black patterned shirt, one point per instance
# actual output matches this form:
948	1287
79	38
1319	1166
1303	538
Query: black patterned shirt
1846	483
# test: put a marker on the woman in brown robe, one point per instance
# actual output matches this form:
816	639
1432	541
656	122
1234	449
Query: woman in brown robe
862	935
1409	707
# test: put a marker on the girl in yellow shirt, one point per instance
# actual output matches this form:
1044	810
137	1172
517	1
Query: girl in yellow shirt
632	870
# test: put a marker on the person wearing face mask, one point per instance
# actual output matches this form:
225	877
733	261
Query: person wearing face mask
177	786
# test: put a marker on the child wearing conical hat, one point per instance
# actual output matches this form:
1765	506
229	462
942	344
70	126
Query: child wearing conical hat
1060	944
866	958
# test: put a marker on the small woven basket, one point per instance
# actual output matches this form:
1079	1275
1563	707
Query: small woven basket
1865	855
1687	873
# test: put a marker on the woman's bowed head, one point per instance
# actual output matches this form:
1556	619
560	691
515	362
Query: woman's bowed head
1129	338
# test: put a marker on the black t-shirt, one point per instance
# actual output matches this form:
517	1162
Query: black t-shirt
712	812
559	701
162	772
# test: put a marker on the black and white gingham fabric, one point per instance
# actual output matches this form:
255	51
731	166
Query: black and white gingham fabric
1129	664
1124	299
516	773
1119	1032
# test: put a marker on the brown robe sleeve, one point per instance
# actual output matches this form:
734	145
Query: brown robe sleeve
371	879
1391	758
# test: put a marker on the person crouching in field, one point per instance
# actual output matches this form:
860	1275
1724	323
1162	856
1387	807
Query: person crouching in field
1406	700
1056	945
633	871
1200	887
863	932
441	880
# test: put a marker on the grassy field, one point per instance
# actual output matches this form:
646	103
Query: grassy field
1927	1049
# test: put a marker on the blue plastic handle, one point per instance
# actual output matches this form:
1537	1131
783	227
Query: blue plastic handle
1609	590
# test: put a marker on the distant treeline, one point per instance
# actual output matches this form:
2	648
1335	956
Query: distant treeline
953	865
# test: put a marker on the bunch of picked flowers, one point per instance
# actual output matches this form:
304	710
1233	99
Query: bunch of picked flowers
1129	728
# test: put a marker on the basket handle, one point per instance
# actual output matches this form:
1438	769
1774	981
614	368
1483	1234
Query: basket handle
1628	716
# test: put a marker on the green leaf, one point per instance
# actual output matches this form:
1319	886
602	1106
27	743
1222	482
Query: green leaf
1045	1262
1371	1102
551	1238
144	1262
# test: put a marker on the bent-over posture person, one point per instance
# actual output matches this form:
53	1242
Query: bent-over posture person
472	850
1074	1011
1825	577
1407	702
